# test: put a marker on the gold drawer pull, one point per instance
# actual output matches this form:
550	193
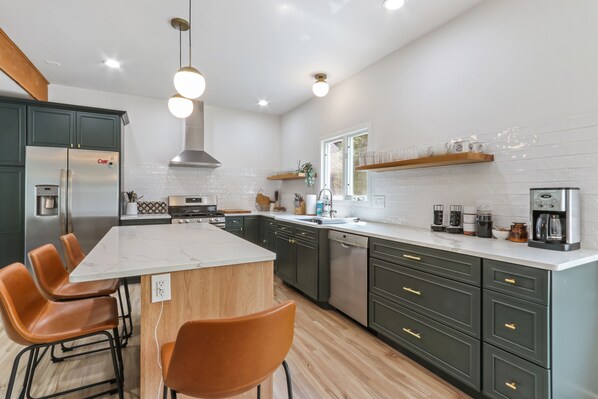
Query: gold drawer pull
408	331
303	233
511	385
411	257
511	326
510	280
411	290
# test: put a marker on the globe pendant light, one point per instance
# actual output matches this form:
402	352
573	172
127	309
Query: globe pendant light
188	81
320	87
178	105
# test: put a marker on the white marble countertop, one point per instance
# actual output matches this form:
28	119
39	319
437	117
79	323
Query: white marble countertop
501	250
127	251
146	216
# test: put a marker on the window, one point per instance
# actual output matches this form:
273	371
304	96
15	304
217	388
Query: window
340	154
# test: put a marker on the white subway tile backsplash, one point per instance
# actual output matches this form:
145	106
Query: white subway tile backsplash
560	153
234	187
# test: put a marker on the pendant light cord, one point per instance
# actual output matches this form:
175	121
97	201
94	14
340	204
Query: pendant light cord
189	32
180	48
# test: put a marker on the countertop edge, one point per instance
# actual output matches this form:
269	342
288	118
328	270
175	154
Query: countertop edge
168	269
349	228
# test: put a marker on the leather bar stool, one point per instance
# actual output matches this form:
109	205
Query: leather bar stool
75	255
225	357
33	321
53	281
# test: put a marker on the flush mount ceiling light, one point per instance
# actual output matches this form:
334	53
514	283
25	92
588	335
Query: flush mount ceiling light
178	105
262	103
188	81
320	87
112	63
393	4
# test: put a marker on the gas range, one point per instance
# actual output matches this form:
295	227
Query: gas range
195	209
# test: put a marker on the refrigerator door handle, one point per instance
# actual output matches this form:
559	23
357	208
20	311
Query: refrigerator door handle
62	201
69	215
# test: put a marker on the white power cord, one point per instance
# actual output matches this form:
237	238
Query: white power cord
158	348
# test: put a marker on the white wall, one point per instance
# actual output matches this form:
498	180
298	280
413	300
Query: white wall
515	73
245	143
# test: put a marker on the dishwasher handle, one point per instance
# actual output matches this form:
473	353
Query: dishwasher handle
348	240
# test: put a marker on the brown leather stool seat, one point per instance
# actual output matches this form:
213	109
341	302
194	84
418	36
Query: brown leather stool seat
75	255
53	279
226	357
30	319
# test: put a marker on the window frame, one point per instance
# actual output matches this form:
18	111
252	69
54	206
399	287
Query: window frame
348	165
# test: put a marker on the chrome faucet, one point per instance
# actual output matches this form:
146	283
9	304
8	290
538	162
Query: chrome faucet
327	210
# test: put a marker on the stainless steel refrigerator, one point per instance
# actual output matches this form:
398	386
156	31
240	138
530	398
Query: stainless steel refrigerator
69	191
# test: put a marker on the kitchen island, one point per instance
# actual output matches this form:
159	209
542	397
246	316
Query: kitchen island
214	274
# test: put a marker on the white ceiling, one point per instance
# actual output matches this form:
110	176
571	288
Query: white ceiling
247	49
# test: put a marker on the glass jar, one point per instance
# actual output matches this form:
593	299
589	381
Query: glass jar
518	232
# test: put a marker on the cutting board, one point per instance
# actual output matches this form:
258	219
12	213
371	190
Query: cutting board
228	211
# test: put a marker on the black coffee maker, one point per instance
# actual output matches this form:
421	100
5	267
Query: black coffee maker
555	218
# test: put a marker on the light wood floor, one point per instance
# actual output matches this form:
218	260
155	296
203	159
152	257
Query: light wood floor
331	358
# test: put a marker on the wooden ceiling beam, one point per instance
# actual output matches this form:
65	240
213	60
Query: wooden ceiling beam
15	64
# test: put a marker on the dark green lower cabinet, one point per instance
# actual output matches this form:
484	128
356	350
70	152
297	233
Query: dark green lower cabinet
509	377
518	326
12	201
451	302
285	259
238	231
306	268
251	229
455	353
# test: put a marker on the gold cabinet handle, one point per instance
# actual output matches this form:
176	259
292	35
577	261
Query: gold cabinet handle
290	241
511	326
408	331
78	145
411	257
510	280
302	233
411	290
511	385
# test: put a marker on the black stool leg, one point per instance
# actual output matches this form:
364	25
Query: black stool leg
259	391
172	394
165	392
13	374
287	372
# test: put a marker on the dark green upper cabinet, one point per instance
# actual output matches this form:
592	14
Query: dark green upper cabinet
51	127
54	127
12	134
98	131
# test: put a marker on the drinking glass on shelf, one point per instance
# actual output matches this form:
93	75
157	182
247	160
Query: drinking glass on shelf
410	152
369	158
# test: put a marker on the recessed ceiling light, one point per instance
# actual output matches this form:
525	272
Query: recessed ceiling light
393	4
262	103
112	63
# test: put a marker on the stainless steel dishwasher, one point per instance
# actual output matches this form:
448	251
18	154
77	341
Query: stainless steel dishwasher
349	275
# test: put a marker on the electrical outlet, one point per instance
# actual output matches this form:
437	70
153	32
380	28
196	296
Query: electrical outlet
161	288
378	201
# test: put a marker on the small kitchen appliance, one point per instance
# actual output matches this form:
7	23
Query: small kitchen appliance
195	209
456	220
438	224
555	217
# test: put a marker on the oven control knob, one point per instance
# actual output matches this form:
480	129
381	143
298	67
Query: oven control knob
186	220
181	221
211	220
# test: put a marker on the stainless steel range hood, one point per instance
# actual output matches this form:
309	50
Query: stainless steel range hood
193	153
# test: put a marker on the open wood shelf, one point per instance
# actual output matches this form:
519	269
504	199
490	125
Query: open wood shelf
287	176
429	162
